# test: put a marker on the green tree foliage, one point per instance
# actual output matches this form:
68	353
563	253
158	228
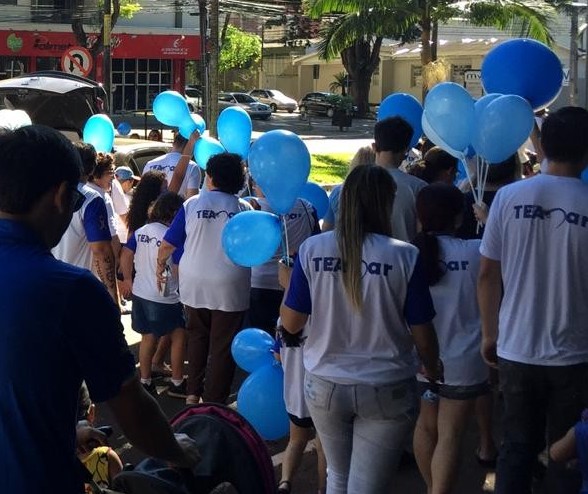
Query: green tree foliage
240	50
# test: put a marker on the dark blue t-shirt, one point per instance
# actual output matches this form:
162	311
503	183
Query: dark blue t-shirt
58	326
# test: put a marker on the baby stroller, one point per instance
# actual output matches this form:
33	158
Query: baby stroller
231	450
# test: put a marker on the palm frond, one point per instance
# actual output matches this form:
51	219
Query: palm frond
525	19
318	8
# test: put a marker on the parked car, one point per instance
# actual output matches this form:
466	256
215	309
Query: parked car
245	101
56	99
193	96
276	100
136	153
317	103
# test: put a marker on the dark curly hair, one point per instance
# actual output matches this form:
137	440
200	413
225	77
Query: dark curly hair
147	191
227	172
165	207
104	163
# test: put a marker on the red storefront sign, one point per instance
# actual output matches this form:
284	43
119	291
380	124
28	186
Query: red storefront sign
54	44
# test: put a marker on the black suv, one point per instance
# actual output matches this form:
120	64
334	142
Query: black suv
56	99
317	103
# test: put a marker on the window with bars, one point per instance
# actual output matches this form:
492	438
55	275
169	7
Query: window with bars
137	82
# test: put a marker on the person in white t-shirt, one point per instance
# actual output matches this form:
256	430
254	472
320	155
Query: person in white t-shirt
214	290
87	241
156	312
392	138
182	148
532	294
366	304
121	193
451	265
266	293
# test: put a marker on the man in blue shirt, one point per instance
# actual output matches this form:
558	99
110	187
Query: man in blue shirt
58	326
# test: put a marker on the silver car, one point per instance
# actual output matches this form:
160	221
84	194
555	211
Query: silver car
248	103
276	100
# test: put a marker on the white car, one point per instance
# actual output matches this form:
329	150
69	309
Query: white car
276	100
245	101
193	96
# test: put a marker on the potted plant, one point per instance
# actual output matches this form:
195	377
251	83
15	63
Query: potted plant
343	110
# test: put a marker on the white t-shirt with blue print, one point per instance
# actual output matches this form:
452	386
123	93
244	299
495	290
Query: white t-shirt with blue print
538	230
372	346
167	164
145	243
208	278
89	224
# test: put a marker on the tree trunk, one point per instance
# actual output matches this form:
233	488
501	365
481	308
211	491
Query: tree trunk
213	67
361	60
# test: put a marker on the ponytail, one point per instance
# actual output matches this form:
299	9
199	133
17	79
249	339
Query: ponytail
428	245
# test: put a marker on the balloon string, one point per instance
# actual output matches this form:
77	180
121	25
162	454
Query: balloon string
286	236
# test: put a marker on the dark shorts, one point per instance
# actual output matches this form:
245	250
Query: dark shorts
305	423
156	318
453	392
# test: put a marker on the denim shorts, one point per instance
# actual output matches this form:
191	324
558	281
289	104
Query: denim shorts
156	318
469	392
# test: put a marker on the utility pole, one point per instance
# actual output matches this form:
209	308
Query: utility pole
574	56
205	86
107	55
213	67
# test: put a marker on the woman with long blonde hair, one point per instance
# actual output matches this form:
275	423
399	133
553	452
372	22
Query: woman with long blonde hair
364	302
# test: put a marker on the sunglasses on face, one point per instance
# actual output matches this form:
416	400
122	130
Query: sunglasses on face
77	199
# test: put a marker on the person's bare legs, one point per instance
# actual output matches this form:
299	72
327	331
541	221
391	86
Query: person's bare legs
484	410
146	351
451	423
299	437
178	352
321	465
158	360
425	440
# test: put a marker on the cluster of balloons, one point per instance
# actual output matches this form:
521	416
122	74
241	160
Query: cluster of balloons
234	127
520	75
261	396
99	131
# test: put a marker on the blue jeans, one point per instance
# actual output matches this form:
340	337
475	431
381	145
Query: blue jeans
363	430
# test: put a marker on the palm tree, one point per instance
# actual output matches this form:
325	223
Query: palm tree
356	28
340	82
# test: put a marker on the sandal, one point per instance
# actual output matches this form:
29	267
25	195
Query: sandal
284	487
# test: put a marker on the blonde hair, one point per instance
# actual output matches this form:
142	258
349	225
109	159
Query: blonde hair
366	204
364	156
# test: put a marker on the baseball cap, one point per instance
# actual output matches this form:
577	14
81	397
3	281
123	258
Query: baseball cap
125	173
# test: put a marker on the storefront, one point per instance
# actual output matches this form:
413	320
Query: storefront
143	64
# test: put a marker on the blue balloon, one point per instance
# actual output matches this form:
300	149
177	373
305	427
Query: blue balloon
234	130
192	122
405	106
279	162
251	238
503	127
584	176
261	401
462	174
449	110
435	139
524	67
205	148
317	196
479	107
252	349
99	131
124	128
171	108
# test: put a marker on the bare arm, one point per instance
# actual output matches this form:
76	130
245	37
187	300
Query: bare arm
145	425
489	298
536	140
564	449
163	254
105	266
182	165
425	341
127	257
292	320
